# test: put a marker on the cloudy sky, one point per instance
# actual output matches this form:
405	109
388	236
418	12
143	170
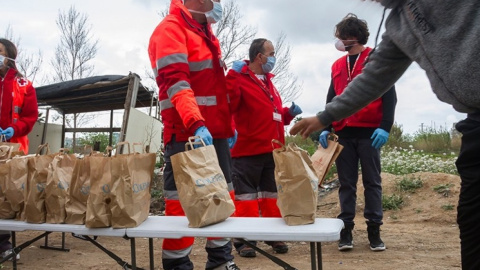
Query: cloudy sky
123	28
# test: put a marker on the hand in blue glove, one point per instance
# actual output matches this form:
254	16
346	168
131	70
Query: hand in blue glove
8	132
232	140
294	109
203	133
323	138
238	65
379	137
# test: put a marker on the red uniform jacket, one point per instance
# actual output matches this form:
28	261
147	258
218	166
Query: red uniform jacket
371	115
186	59
18	107
253	104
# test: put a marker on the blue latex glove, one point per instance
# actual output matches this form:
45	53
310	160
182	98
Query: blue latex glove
294	109
8	133
323	138
238	65
232	140
203	133
379	137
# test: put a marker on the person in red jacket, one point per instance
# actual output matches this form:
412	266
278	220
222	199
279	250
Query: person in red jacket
186	59
362	135
259	117
18	111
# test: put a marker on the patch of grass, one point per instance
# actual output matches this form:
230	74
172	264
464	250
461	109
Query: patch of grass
443	189
418	211
448	207
409	184
394	217
392	202
157	193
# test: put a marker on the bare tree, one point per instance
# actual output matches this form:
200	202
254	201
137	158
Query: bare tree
234	37
72	56
28	63
286	82
76	47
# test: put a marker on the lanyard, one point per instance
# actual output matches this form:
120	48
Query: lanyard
350	72
264	86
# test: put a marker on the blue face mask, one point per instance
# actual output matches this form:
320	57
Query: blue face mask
214	15
269	65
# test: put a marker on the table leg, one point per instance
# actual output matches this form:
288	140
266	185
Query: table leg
313	261
14	263
150	248
133	253
319	255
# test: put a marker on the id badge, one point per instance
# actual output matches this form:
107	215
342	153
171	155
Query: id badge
277	117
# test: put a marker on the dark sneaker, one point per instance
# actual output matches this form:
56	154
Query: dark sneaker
346	239
376	243
230	265
278	246
246	251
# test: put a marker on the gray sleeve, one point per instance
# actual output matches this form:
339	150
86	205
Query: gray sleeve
385	66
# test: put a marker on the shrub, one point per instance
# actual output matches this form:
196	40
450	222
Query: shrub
409	184
392	202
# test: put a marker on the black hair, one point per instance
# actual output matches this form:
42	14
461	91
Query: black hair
352	26
256	47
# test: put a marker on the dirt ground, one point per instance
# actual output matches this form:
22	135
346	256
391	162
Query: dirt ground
422	235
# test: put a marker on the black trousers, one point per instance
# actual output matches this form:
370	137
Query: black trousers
359	151
468	166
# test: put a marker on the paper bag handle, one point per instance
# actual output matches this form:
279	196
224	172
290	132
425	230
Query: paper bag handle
108	151
41	147
133	147
333	137
191	142
275	141
3	138
6	151
63	151
120	144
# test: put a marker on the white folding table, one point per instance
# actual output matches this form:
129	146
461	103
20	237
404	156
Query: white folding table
19	226
255	229
259	229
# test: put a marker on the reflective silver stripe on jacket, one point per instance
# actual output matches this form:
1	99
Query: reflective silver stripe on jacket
171	59
17	109
201	101
200	65
177	87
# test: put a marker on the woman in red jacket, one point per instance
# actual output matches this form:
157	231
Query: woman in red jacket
259	117
18	112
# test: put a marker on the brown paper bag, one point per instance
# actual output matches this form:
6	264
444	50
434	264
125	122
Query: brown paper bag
323	158
5	152
98	214
16	188
14	146
58	181
201	185
131	181
297	184
6	210
35	211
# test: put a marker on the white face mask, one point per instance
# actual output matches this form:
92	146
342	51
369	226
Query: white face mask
214	15
2	60
341	46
